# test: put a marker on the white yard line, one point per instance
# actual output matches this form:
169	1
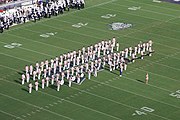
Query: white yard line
60	99
103	4
138	15
153	5
69	49
38	52
105	23
83	106
167	66
30	50
141	69
10	68
151	26
115	87
46	43
54	56
9	114
101	38
126	35
102	98
105	98
169	91
141	30
86	44
16	57
43	43
25	102
134	80
145	10
168	56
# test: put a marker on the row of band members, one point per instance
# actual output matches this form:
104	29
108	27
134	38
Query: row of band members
39	11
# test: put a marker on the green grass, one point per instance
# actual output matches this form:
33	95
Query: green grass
106	97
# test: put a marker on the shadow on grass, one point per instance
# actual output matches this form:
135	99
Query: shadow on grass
66	83
53	87
24	89
140	81
17	81
20	73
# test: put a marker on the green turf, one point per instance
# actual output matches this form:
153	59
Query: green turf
107	97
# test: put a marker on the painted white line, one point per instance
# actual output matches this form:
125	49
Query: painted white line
88	89
141	69
28	114
46	43
72	96
125	35
35	106
51	105
76	94
150	11
169	91
46	107
4	112
9	68
128	106
16	58
135	93
80	92
30	50
163	65
43	43
84	106
23	116
105	23
33	112
67	98
152	5
106	81
55	103
128	36
101	83
91	88
38	110
59	101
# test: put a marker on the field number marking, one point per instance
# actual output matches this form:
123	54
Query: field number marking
107	16
134	8
12	45
46	35
143	111
79	25
176	94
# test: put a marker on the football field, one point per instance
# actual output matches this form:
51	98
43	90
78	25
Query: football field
108	96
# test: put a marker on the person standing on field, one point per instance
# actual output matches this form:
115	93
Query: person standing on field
147	78
30	87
